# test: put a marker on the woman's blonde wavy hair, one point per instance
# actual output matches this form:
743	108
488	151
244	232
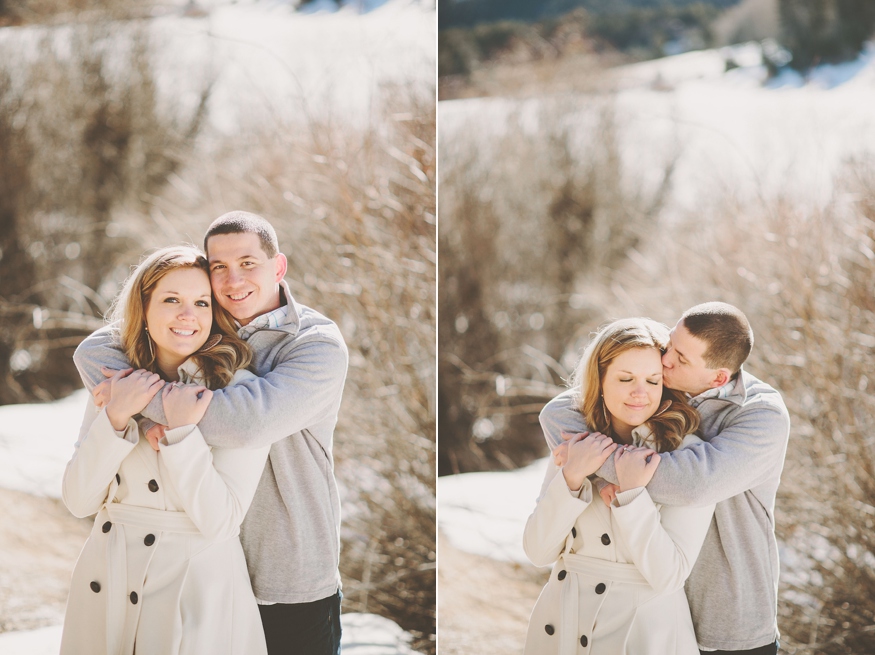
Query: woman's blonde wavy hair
217	359
675	418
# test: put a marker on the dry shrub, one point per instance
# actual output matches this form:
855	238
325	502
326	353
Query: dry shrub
28	12
526	213
82	144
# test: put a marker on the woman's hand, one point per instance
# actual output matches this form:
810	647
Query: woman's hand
130	392
635	466
185	405
585	455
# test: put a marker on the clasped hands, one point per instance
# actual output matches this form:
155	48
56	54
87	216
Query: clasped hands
582	454
127	392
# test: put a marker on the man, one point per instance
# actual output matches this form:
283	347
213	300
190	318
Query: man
733	587
291	534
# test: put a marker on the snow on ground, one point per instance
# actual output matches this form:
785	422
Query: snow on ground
485	513
363	634
265	59
36	441
729	132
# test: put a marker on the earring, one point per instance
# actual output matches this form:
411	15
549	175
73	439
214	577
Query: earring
605	412
664	407
149	341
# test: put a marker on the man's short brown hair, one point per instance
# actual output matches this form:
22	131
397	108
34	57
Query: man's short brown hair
726	332
240	222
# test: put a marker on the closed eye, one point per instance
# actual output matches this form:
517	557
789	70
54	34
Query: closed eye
655	383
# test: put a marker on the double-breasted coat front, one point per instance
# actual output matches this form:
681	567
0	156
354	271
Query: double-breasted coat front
617	586
163	571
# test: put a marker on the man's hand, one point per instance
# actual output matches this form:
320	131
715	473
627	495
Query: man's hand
560	452
155	434
185	404
635	466
608	492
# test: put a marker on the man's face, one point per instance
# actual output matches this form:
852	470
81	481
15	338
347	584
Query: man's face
683	364
244	279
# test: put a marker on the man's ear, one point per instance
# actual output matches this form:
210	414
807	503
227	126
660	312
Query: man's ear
282	265
721	377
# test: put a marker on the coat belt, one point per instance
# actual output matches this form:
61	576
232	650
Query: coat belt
149	518
605	570
145	518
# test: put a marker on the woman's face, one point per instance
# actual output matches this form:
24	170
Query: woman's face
632	387
179	315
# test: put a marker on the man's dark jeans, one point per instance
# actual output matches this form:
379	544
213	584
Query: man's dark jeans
770	649
303	628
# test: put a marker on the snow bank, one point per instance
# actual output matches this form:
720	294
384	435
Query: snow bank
363	634
729	132
36	442
485	513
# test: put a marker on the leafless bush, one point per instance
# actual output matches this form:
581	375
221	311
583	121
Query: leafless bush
28	12
83	147
528	217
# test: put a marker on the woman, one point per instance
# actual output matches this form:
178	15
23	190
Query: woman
617	585
163	570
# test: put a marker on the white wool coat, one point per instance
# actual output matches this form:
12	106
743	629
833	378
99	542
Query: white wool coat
617	586
163	569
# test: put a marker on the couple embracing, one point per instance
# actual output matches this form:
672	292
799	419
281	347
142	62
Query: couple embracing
658	507
206	455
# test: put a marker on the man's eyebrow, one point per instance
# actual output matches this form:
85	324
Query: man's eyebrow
241	257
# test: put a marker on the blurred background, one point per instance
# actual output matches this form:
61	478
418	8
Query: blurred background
636	157
126	126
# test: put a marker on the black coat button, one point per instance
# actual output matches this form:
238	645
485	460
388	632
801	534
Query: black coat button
573	532
562	575
549	629
606	540
106	527
600	588
584	641
149	540
95	587
118	479
153	486
134	597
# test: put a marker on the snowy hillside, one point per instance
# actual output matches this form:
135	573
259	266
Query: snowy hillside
265	57
730	130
